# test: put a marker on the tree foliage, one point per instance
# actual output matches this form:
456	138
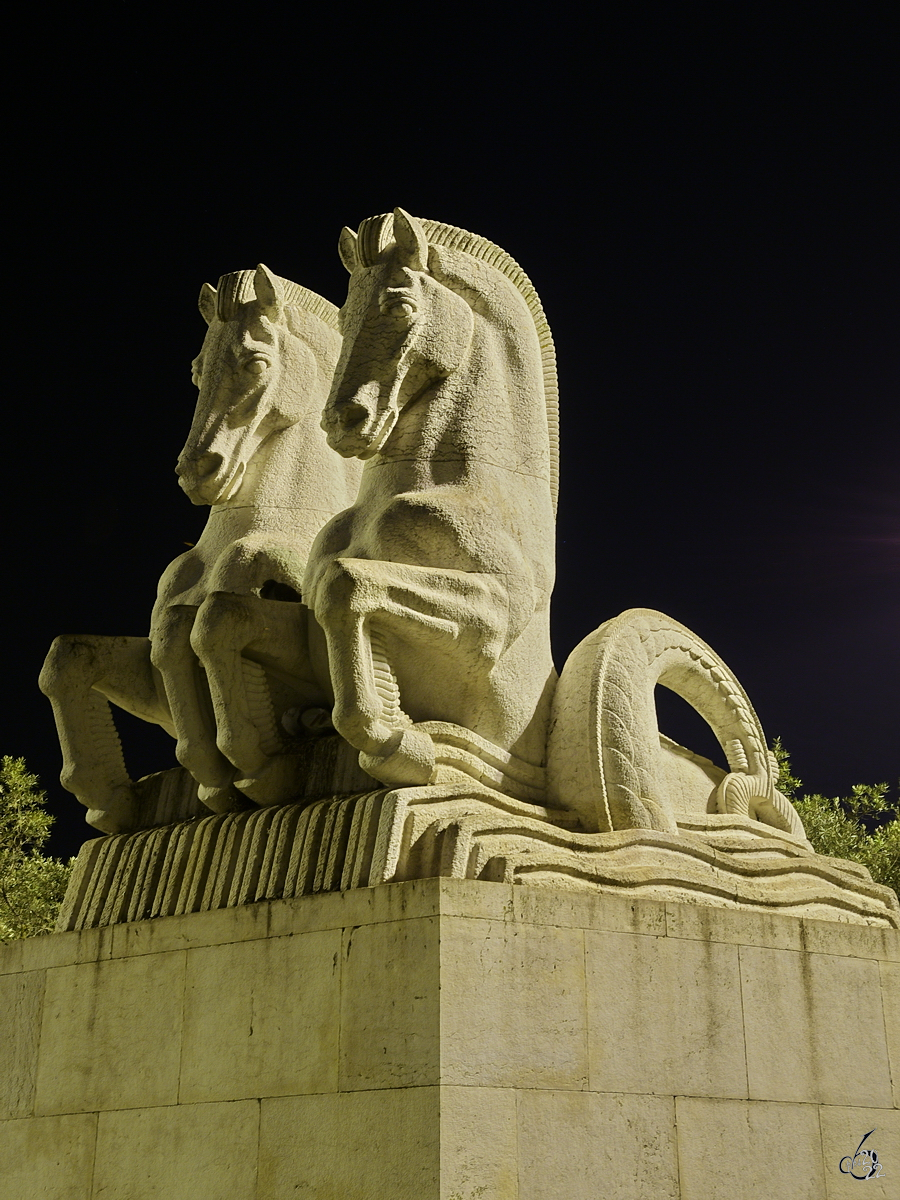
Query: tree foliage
864	826
32	885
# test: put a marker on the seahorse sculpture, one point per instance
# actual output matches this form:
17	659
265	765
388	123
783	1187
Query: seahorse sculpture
433	589
603	747
406	606
229	651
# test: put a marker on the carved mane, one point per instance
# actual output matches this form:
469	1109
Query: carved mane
375	235
237	288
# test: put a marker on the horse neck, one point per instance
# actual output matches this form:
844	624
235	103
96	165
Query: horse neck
297	485
296	469
488	417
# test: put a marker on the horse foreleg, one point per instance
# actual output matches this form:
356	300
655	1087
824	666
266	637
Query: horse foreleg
225	626
367	703
188	699
244	643
80	676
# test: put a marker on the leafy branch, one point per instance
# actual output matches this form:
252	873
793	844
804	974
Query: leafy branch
863	827
32	885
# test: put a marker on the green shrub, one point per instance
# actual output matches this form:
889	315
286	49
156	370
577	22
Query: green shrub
863	826
32	885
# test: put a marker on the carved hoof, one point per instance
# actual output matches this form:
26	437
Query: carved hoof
205	762
219	799
120	815
277	782
410	762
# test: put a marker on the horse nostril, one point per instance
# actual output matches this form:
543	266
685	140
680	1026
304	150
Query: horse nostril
196	469
352	414
207	464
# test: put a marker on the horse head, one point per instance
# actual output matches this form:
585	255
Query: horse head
266	358
403	332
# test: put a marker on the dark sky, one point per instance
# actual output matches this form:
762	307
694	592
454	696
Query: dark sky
707	208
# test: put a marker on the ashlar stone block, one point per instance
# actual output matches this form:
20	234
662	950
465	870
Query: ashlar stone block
516	1019
200	1151
111	1035
479	1144
48	1158
272	1030
586	910
351	1146
21	998
739	1150
664	1016
890	999
624	1146
814	1028
842	1131
705	923
390	1005
246	922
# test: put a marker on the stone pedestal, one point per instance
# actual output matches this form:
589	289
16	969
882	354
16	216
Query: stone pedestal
454	1039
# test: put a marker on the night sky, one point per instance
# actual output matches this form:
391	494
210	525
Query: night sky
707	208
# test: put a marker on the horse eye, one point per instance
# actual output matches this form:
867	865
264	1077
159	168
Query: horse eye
256	366
196	372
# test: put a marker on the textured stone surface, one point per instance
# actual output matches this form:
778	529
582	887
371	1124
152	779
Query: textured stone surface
447	1039
111	1035
244	1039
808	1015
479	1144
842	1131
48	1158
517	1020
201	1151
352	1146
21	1000
890	991
664	1016
390	1005
730	1150
620	1147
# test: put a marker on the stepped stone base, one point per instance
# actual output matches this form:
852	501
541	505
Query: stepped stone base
452	1039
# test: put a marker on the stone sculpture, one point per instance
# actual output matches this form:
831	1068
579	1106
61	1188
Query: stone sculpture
229	651
422	632
433	590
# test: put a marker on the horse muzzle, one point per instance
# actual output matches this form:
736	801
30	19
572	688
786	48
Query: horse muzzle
208	479
356	427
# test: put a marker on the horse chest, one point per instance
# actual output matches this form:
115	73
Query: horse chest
437	528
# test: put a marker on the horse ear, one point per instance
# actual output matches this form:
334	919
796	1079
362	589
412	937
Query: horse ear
347	249
412	243
269	293
207	303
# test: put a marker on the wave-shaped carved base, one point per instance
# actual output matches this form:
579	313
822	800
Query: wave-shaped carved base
464	832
